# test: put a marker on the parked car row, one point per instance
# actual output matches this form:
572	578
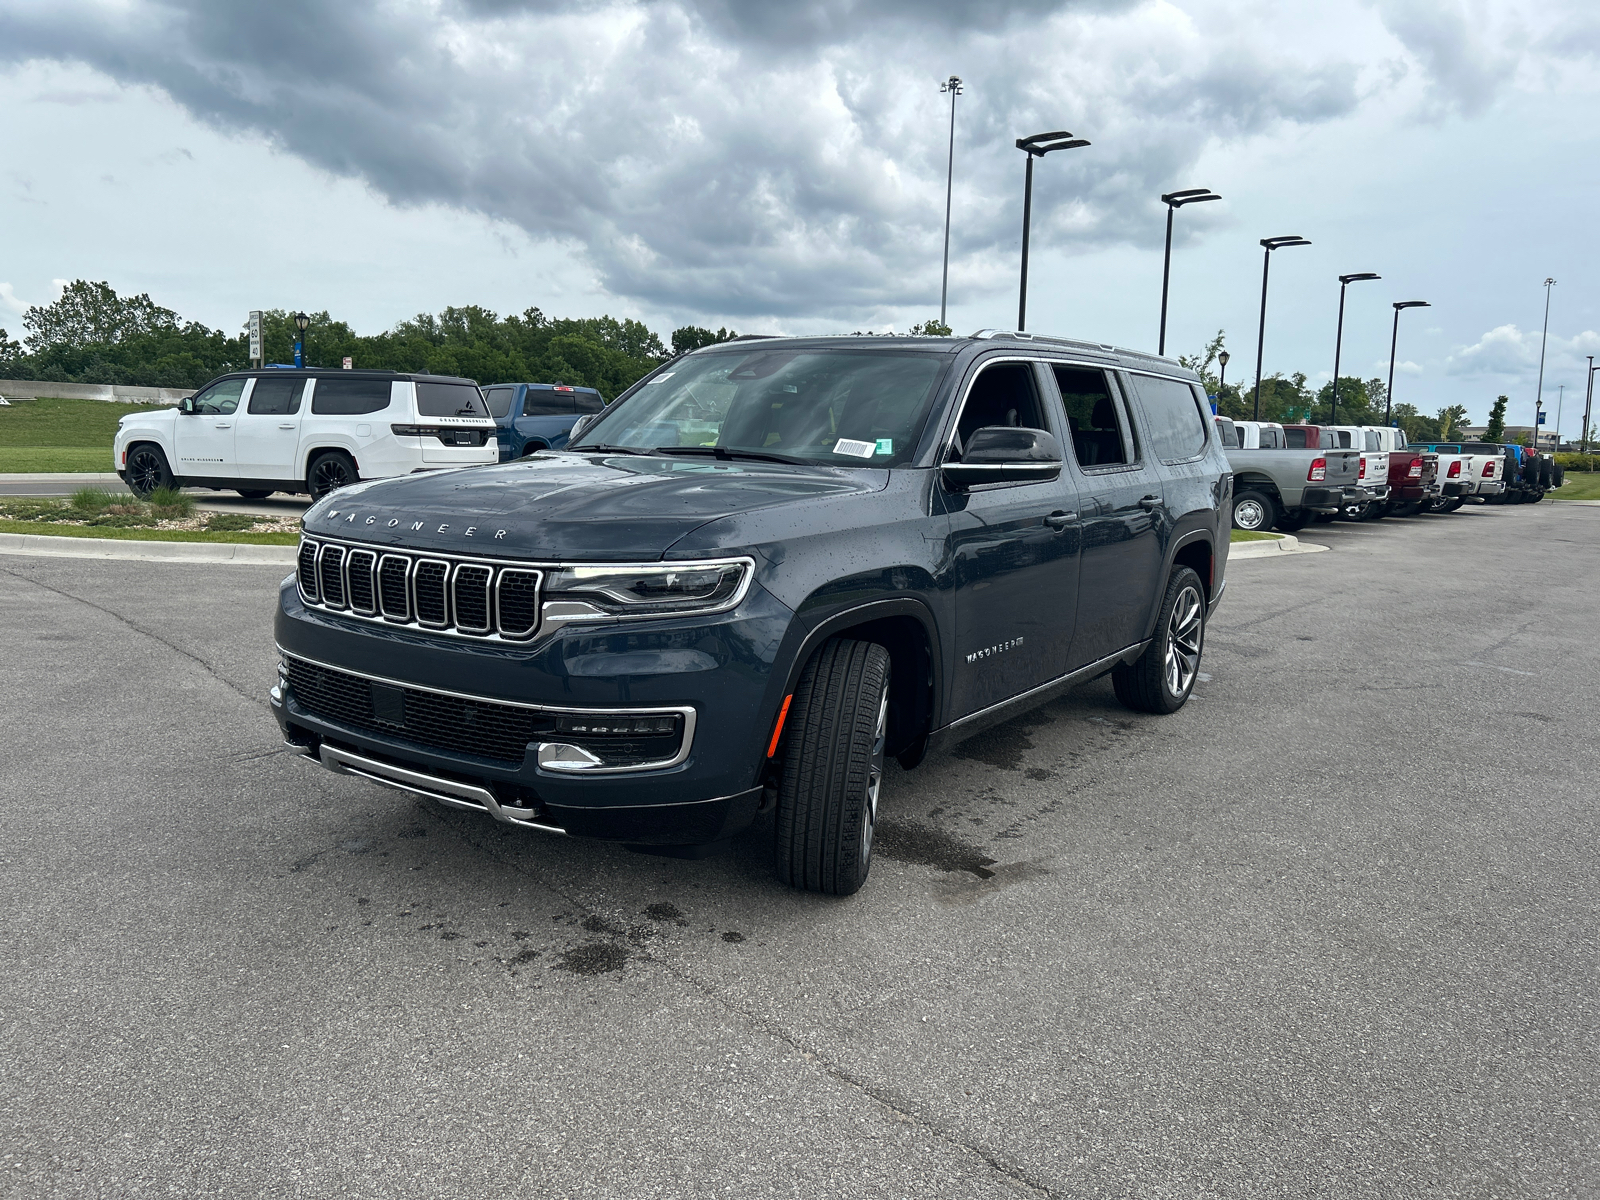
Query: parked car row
1286	476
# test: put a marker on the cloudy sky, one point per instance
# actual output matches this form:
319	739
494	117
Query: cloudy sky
781	167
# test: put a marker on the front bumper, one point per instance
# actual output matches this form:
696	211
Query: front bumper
716	671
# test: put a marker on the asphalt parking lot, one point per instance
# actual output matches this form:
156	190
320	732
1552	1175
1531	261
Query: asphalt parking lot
1329	931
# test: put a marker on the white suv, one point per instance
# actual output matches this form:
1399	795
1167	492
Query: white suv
260	432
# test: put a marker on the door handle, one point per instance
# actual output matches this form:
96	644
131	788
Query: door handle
224	424
285	426
1150	503
1060	520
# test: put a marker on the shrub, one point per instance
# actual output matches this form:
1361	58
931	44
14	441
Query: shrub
171	504
93	500
230	522
1579	462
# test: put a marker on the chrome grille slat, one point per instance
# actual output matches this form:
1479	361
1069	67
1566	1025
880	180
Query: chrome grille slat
470	595
394	590
429	596
306	570
516	600
330	575
358	567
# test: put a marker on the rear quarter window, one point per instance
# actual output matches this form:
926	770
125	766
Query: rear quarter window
499	401
1176	427
349	397
449	400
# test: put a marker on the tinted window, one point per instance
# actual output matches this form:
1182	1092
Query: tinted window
220	397
1172	412
1342	439
498	400
1271	439
1093	418
277	395
449	400
349	397
546	404
1371	440
589	402
842	407
1297	439
1002	395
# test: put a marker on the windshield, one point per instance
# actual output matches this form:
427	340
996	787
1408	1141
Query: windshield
846	408
449	400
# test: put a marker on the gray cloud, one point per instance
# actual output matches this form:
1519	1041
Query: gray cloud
738	157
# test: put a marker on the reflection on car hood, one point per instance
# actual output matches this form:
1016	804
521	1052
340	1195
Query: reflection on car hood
571	506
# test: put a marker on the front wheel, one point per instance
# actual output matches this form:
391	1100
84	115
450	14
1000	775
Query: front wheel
147	471
1253	510
832	772
328	472
1163	676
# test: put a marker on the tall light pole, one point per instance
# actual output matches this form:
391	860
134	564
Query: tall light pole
1175	200
1388	396
1338	338
1561	396
1036	146
1588	399
1222	376
1544	336
953	86
1270	244
300	323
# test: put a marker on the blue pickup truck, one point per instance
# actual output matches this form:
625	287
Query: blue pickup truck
537	416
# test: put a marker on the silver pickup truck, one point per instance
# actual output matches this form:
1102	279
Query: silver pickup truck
1286	489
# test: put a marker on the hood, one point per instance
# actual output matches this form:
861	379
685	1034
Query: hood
573	507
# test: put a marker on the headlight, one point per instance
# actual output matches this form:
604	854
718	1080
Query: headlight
643	591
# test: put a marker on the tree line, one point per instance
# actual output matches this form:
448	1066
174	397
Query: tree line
93	335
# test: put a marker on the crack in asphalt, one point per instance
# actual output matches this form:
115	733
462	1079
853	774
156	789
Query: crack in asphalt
902	1109
153	636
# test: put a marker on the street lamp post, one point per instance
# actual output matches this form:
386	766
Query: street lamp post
300	323
1270	244
1561	396
1222	376
1175	200
1544	337
1388	396
1036	146
1338	338
1588	399
953	86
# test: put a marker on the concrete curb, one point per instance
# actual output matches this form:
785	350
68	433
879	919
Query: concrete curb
46	546
87	478
1285	543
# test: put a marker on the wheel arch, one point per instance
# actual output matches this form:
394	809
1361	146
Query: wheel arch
322	446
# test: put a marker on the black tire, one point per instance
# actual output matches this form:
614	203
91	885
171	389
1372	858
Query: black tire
329	471
1409	508
1325	518
832	769
1292	522
1452	504
1254	510
254	493
147	471
1376	511
533	448
1561	475
1163	676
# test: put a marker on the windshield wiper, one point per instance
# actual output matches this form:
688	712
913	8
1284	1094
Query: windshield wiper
726	453
604	448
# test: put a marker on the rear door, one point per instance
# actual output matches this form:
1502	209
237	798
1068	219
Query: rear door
268	430
1121	504
1012	552
204	438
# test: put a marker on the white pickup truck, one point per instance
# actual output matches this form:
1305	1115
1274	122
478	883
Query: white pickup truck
1374	467
1258	435
1467	470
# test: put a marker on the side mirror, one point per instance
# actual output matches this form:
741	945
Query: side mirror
579	426
1005	454
186	405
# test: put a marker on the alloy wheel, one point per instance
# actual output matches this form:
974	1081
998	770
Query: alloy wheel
1184	632
330	474
875	775
144	472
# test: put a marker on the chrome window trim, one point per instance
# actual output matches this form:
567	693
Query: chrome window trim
686	711
553	614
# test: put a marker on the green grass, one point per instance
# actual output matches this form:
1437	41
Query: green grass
148	535
1581	485
1247	535
60	435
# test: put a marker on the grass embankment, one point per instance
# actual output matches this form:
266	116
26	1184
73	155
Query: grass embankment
60	435
1580	485
168	516
1247	535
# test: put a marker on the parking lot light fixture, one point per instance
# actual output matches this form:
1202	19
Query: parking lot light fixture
1269	245
1588	400
300	323
1544	337
1388	397
953	86
1222	376
1036	146
1175	200
1338	338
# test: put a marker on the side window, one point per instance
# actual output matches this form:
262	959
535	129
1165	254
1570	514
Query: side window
1004	394
546	404
590	402
334	397
1371	439
277	396
1093	418
1344	439
1177	430
220	398
499	401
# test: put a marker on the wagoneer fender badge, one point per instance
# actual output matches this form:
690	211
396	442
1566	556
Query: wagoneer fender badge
471	531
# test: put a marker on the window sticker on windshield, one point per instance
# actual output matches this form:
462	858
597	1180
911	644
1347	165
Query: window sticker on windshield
885	445
854	448
663	375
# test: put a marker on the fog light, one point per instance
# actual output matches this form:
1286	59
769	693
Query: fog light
617	726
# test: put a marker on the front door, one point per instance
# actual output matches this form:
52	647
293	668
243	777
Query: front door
204	436
1012	555
1121	505
267	433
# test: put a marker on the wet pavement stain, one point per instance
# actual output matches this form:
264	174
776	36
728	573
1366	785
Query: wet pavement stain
907	841
663	911
598	924
733	936
594	958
